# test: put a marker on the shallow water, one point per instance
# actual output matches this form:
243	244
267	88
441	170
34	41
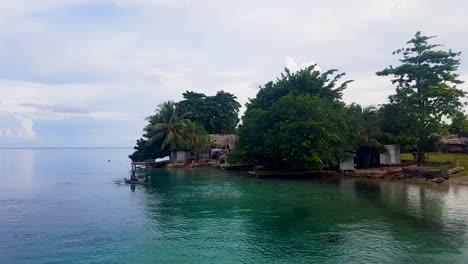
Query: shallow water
61	206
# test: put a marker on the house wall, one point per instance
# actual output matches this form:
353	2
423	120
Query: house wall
179	156
458	148
347	165
204	156
392	156
367	158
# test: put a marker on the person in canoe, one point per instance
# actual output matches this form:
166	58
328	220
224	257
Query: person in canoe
147	179
133	177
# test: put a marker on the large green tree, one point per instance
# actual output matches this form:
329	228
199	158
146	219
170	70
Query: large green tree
168	130
372	137
218	114
459	124
394	120
298	122
426	89
146	151
195	136
371	130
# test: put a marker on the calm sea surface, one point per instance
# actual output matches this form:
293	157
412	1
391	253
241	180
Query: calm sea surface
61	206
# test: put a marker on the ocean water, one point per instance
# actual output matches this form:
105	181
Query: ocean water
62	206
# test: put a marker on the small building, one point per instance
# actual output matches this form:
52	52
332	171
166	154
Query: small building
455	145
348	165
222	145
464	140
182	156
367	158
204	155
373	158
391	156
223	141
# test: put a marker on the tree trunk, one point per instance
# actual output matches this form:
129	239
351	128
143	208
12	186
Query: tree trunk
421	159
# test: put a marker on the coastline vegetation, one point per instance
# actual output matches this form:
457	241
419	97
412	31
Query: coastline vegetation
426	90
185	125
300	122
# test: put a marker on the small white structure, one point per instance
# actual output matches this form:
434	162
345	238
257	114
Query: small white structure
347	165
182	156
391	156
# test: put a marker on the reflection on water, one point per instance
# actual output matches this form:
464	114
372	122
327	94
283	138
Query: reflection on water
301	220
18	165
62	207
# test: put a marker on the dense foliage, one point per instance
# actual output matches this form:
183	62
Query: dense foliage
426	90
371	135
144	150
298	122
459	125
218	114
166	131
185	125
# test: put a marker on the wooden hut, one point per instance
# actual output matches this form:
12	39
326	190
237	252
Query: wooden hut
222	145
455	145
223	141
182	156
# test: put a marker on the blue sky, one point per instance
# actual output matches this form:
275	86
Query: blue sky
87	72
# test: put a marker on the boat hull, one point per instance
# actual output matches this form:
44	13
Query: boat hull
135	182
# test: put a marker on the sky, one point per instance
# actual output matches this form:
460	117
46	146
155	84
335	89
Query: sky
86	73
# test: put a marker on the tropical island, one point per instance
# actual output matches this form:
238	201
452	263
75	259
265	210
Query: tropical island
299	122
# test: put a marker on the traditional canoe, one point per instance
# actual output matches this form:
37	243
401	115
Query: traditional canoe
411	167
455	170
135	182
394	170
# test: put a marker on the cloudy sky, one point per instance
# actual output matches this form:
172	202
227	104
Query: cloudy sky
87	72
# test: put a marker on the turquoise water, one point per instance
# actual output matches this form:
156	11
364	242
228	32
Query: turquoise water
61	206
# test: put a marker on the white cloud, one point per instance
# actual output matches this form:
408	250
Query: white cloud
368	91
293	66
116	60
16	127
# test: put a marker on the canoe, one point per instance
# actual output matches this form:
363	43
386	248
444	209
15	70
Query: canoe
394	170
135	182
455	170
411	167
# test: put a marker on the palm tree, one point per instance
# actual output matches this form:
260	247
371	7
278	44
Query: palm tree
196	138
371	129
371	137
167	125
195	135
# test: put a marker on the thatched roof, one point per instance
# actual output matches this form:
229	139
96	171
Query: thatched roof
455	141
223	141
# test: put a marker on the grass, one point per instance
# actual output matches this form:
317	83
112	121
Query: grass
441	158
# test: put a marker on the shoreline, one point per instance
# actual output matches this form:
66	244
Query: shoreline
412	176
